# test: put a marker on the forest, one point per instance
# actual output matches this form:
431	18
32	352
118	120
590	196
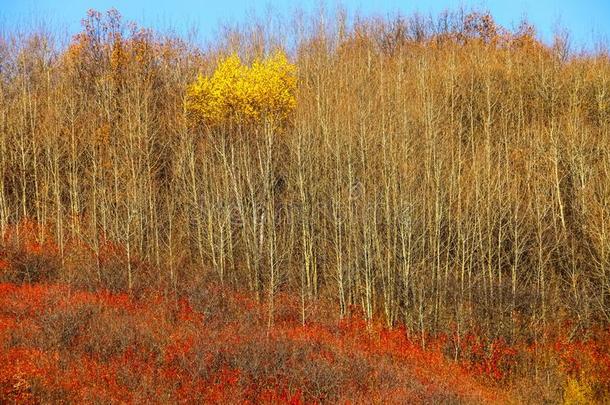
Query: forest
335	209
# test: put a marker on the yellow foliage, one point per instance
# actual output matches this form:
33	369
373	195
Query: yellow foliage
236	92
577	392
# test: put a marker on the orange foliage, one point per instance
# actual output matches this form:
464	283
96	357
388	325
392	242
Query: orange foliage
86	347
63	343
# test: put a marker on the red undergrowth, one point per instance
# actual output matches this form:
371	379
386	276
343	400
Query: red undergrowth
62	344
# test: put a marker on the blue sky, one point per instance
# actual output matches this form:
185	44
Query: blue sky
587	20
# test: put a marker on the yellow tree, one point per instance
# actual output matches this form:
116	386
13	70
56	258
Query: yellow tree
247	94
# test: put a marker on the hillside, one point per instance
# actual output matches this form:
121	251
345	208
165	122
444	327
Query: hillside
341	210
